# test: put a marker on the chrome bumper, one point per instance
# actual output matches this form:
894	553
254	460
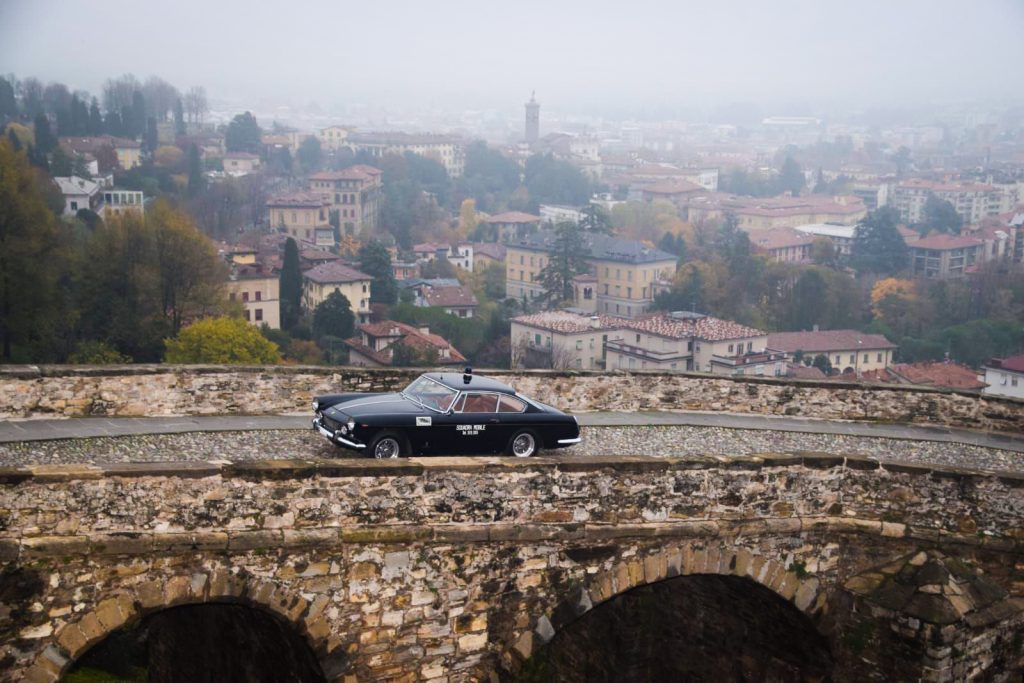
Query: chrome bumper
318	426
569	442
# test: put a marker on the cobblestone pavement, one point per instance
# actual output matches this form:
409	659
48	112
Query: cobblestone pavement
600	440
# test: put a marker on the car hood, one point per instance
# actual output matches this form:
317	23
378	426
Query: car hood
379	404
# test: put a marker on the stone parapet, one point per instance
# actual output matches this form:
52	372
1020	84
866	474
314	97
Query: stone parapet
165	390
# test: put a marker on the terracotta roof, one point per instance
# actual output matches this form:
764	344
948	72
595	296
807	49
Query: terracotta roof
428	248
781	238
298	199
670	187
513	217
357	172
241	155
91	144
948	375
406	334
490	250
937	186
827	340
801	371
945	242
318	255
705	328
329	273
602	247
460	296
569	323
1013	363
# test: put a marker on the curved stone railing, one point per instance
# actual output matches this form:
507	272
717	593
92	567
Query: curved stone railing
164	390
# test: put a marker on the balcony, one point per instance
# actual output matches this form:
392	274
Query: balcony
640	352
766	356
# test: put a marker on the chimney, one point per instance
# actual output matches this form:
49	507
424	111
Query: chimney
595	321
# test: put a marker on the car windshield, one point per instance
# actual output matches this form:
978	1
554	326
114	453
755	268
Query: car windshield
431	394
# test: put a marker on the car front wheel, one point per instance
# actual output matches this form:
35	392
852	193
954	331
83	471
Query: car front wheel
523	445
386	446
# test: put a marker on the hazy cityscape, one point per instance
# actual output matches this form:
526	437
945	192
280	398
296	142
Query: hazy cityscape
829	196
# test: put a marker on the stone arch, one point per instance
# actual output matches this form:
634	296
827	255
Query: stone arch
804	592
129	604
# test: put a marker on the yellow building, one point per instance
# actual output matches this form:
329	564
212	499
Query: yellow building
625	270
754	214
332	138
258	291
846	350
319	282
303	216
355	193
241	163
446	150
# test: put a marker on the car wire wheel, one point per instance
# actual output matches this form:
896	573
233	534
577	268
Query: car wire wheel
524	445
387	447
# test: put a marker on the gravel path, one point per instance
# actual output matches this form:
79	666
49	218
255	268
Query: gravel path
654	440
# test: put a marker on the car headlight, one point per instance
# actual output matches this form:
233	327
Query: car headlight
351	424
316	406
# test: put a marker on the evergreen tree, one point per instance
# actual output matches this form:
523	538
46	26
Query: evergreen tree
138	114
151	139
939	215
334	317
374	260
13	141
309	153
196	181
8	104
45	140
179	117
566	260
243	134
791	177
95	118
878	247
290	286
595	219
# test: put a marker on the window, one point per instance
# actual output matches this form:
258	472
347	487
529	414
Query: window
1013	381
522	260
750	346
259	295
730	348
536	339
231	296
629	275
74	206
247	314
638	339
259	314
479	403
579	344
838	361
606	294
629	292
866	358
853	358
579	362
245	296
510	404
879	359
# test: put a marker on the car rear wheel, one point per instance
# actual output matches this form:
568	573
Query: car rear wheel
386	446
523	444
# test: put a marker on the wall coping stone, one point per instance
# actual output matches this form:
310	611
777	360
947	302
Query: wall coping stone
274	470
40	371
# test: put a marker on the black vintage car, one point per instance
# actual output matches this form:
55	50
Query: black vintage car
442	413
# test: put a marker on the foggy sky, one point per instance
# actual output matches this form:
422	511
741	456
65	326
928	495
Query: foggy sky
487	54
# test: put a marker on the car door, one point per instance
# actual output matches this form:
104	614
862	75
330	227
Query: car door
477	428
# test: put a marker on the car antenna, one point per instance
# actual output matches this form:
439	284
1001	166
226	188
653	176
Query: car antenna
468	375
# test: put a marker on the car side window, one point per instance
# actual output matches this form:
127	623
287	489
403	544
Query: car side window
480	403
459	402
511	404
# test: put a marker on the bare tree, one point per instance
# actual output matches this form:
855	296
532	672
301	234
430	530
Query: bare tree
31	96
118	93
518	351
195	103
160	97
562	357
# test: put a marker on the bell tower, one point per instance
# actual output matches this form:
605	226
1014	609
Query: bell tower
532	119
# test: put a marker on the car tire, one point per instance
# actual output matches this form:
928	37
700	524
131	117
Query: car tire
523	444
386	446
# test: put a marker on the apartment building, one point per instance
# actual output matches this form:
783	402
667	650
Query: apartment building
355	193
333	138
320	281
973	201
303	216
945	256
626	271
1005	377
669	342
258	290
512	225
753	213
785	245
448	150
374	345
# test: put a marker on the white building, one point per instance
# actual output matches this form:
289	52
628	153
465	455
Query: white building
79	193
558	213
1005	377
117	201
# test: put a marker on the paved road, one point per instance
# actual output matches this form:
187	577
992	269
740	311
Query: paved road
76	428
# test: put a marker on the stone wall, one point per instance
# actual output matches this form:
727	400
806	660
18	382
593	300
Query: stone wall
55	391
456	568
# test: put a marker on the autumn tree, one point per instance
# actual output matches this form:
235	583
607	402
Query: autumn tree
894	301
31	257
567	258
223	340
468	219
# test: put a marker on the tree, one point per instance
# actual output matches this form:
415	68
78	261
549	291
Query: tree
821	362
290	286
95	118
878	246
375	261
135	122
791	177
673	244
407	356
334	317
310	154
151	139
160	96
179	117
553	181
468	219
243	134
595	219
939	215
31	259
221	340
8	104
13	140
823	252
118	93
196	180
195	103
566	259
45	140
